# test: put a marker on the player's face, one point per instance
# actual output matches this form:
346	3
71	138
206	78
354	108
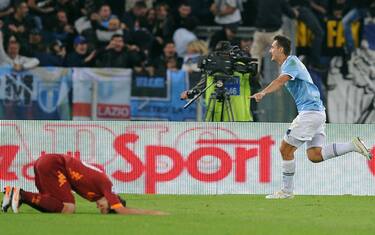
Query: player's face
275	51
102	205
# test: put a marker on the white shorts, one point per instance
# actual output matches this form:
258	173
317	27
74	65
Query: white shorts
307	127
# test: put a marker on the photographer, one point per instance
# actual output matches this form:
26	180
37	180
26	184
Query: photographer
225	72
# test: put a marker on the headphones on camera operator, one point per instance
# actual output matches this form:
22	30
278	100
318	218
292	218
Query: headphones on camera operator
227	72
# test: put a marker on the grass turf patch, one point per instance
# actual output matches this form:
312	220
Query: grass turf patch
224	214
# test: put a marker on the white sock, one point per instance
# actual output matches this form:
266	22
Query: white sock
337	149
289	168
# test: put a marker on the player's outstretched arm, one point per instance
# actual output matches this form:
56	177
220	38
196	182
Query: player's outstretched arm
134	211
272	87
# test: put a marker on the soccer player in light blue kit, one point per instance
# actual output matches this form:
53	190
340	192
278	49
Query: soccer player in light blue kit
308	126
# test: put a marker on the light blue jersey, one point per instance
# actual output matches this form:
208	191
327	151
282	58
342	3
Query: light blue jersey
301	87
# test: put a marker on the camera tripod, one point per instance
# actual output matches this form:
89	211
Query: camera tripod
219	98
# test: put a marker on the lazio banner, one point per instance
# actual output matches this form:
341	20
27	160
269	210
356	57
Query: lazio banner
101	94
41	93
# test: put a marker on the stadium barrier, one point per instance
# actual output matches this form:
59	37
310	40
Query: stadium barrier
46	93
185	157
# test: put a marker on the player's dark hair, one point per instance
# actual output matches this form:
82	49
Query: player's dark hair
283	42
123	202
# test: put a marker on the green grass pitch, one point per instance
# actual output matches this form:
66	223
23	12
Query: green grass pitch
224	214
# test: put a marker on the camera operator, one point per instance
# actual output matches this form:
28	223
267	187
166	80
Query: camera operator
236	79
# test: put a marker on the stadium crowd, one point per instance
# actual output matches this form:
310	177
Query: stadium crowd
147	36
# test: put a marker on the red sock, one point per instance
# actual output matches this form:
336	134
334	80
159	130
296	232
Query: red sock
40	202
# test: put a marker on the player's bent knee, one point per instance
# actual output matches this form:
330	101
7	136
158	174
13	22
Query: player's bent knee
69	208
314	155
314	159
287	151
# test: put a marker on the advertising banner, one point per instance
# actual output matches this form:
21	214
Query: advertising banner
41	93
158	98
186	157
101	94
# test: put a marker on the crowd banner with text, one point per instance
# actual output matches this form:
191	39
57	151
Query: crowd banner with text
158	98
101	94
351	83
186	157
334	37
41	93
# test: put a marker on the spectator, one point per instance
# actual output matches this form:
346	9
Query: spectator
307	16
227	11
71	7
184	35
41	7
118	6
35	44
87	7
201	10
160	63
114	27
105	15
161	29
13	57
250	6
42	11
81	57
6	8
150	19
358	11
117	55
63	30
55	55
172	64
195	51
338	9
149	3
137	13
183	13
268	27
18	24
141	38
228	33
245	43
320	9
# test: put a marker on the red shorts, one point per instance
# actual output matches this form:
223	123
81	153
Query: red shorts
51	178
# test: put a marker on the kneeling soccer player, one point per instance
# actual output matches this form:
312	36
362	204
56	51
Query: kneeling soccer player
56	175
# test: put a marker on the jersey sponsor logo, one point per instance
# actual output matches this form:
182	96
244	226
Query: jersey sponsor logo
61	178
74	175
36	199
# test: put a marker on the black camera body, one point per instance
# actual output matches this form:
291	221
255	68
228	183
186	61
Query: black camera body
228	61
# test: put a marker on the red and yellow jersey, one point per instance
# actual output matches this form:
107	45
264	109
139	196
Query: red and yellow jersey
86	180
